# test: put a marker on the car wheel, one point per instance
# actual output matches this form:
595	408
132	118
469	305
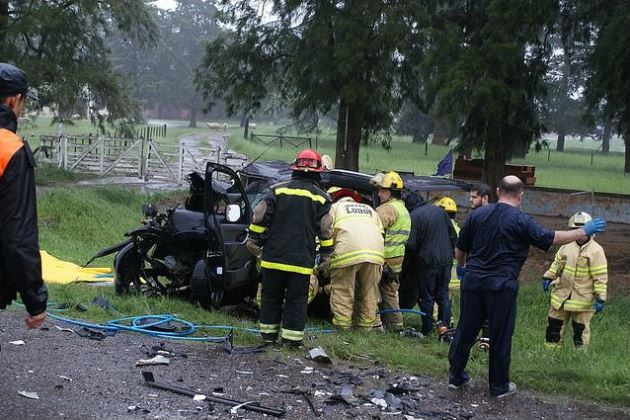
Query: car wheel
126	269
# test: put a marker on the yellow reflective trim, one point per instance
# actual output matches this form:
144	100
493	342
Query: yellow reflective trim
326	242
292	335
342	321
269	328
351	216
599	288
351	255
257	228
286	267
301	193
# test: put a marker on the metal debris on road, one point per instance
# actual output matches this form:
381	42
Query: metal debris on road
318	355
64	329
138	409
92	334
65	378
157	360
17	342
228	346
250	405
27	394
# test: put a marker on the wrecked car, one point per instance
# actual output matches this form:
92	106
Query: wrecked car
197	251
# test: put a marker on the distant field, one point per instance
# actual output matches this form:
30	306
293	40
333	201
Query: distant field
571	169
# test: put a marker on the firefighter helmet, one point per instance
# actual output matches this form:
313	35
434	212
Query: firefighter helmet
308	160
387	179
338	192
448	204
579	219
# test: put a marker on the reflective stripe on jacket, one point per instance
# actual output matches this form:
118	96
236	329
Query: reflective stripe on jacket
397	225
287	221
357	234
579	273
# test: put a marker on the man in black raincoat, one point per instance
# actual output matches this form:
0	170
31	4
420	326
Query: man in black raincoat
20	262
430	251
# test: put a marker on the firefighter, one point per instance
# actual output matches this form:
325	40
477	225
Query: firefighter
356	265
283	233
577	279
20	262
450	207
397	225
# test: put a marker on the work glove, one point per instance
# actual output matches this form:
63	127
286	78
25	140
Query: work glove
594	226
388	275
461	272
545	284
598	305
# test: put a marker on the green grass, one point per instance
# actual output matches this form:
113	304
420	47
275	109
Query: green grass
570	170
74	224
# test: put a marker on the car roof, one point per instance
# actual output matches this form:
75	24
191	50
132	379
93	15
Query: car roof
281	171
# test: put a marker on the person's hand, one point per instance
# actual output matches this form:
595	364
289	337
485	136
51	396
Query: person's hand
545	283
598	305
35	321
594	226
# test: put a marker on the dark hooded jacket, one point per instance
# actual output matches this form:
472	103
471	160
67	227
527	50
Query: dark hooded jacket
432	237
20	262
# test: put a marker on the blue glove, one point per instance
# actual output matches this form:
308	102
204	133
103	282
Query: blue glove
594	226
545	283
598	305
461	272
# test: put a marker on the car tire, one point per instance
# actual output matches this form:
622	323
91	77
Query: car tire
126	269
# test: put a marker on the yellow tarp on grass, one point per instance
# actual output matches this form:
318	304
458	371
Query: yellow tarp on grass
57	271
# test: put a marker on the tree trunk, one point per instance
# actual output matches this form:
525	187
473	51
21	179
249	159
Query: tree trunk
246	125
606	136
419	137
440	133
494	161
244	118
561	135
348	137
520	151
193	116
626	139
160	111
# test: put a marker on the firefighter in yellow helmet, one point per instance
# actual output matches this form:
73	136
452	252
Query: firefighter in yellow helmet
397	224
577	279
450	207
356	265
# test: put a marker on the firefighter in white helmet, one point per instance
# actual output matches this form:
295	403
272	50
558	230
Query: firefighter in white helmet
397	225
577	279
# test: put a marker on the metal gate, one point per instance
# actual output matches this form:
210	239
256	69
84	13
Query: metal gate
144	159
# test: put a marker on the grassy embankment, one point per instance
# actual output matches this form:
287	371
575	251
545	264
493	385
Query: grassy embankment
571	169
76	224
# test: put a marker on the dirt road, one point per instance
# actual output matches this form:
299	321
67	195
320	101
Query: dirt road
78	378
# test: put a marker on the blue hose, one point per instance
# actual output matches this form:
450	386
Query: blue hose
136	324
405	311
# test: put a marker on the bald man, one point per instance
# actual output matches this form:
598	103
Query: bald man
492	246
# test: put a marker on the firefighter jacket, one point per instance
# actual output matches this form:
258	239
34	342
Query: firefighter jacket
20	262
455	282
397	225
357	234
579	273
286	223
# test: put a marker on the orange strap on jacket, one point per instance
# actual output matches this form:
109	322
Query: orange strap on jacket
10	143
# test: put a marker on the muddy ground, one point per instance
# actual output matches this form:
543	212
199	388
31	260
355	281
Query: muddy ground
79	378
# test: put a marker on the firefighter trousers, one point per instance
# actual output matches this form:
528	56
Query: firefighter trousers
557	324
283	305
389	300
354	295
499	307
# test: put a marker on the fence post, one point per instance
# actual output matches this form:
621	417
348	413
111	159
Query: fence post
101	164
64	157
592	158
180	171
426	148
316	143
280	139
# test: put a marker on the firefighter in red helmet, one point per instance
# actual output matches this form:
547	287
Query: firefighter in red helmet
283	233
